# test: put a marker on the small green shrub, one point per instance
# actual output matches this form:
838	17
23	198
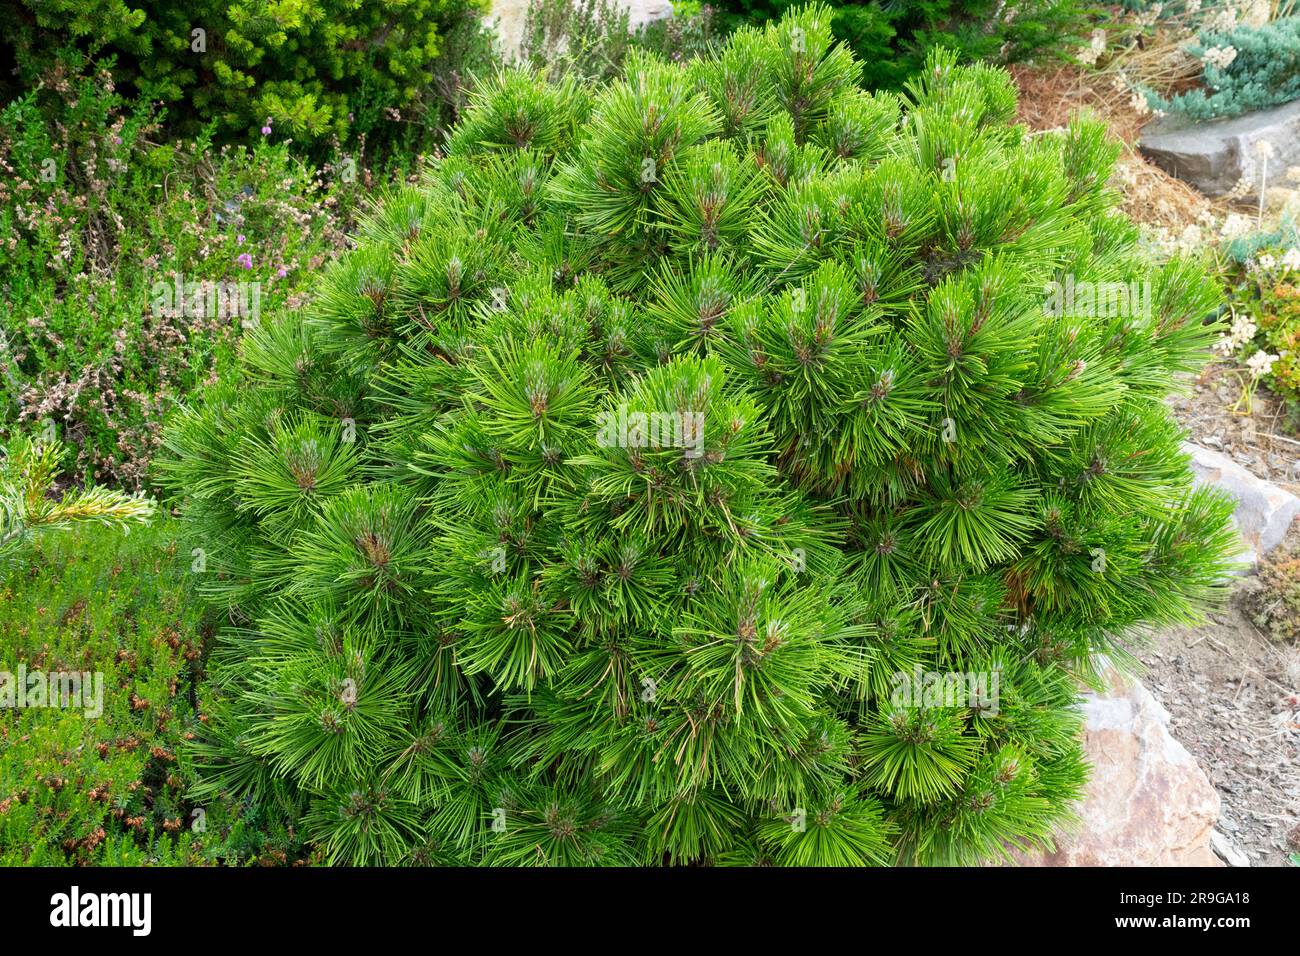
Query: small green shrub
1275	607
890	39
316	68
84	788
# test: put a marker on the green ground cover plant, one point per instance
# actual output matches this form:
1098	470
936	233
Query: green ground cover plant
1246	67
105	783
313	69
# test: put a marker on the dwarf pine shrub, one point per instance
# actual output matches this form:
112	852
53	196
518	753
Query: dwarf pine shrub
690	470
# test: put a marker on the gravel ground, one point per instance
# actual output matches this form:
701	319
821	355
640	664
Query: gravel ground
1233	693
1263	442
1234	701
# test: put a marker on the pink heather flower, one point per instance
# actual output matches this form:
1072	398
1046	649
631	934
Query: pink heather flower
240	238
266	127
282	272
245	260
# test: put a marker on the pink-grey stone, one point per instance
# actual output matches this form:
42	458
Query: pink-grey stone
1264	511
1148	802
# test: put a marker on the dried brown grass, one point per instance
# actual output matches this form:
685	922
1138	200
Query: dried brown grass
1051	94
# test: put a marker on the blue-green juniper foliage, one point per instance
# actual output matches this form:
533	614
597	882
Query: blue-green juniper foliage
1265	72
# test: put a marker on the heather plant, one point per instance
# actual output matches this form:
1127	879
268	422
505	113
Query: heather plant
592	38
726	465
587	37
691	31
129	265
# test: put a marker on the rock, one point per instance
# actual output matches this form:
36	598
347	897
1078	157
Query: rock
1213	156
643	12
1264	511
510	16
1227	850
1148	802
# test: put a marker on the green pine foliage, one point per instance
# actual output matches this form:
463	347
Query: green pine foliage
595	507
28	508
